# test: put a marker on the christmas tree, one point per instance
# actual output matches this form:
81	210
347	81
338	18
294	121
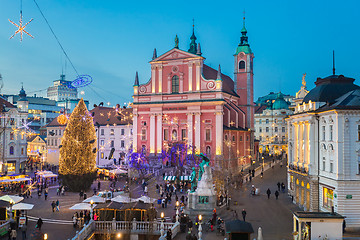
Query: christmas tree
77	164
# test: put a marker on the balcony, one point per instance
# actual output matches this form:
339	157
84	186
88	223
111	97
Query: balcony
298	169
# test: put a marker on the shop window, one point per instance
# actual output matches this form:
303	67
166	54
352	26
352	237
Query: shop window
328	197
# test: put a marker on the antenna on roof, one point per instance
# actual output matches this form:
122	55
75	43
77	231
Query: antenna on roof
333	62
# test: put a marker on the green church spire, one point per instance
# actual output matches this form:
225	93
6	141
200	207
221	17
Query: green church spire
244	44
193	45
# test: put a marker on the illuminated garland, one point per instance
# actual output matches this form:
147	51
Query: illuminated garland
77	155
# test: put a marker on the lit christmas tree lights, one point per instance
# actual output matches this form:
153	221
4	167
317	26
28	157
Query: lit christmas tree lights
77	164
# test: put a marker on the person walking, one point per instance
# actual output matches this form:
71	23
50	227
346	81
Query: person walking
169	235
57	205
278	185
85	195
13	234
282	187
74	221
53	206
243	214
81	194
190	225
277	194
268	192
145	190
23	231
46	194
39	223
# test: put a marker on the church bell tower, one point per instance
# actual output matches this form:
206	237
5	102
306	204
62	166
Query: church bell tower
243	77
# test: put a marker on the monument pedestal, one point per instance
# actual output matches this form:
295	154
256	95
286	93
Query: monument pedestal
203	200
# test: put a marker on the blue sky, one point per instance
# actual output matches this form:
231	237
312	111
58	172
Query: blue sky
111	40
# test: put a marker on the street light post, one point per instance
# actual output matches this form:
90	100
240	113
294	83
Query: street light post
200	227
162	227
11	205
92	209
177	211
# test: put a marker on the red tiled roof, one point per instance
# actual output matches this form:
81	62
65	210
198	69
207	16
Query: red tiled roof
54	123
5	103
107	115
260	109
228	83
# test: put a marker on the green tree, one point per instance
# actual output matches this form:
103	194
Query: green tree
77	164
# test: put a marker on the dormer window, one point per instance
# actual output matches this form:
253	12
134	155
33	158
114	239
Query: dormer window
175	84
242	64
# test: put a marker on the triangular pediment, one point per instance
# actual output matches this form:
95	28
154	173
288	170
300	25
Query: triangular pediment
174	54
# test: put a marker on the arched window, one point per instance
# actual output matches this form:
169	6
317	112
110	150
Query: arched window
175	84
242	64
11	150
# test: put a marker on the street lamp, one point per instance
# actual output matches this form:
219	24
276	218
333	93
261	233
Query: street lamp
177	211
92	209
200	228
45	236
11	205
162	224
118	235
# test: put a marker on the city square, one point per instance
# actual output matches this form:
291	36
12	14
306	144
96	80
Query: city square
167	124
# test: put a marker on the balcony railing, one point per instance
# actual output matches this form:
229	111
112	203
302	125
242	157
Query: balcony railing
298	168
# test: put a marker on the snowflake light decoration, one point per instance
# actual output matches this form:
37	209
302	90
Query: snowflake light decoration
21	28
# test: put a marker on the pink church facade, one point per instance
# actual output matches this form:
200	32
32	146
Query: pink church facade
186	101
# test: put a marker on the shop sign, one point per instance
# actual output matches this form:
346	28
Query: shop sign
348	196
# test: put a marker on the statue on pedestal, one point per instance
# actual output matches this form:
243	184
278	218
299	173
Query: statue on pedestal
193	180
205	161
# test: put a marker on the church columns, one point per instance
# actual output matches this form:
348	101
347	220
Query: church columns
198	73
197	132
135	133
153	73
219	132
296	143
190	128
181	87
160	79
190	75
159	133
152	133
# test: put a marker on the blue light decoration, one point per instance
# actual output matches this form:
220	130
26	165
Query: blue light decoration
138	161
81	81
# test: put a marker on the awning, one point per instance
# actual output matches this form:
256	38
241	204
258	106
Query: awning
185	178
49	175
169	178
23	206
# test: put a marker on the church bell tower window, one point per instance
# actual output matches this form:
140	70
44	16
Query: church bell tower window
242	64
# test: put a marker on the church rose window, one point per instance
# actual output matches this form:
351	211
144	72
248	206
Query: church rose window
175	84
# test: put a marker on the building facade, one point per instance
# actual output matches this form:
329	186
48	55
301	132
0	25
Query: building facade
324	149
271	127
61	91
114	132
185	101
36	149
13	135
